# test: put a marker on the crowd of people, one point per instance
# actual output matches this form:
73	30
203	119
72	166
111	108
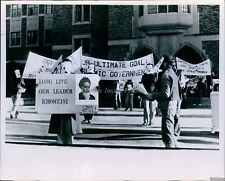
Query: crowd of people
164	90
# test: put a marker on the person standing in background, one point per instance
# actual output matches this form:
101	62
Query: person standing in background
149	80
128	89
117	103
16	89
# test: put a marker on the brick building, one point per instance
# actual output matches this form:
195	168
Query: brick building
115	32
29	28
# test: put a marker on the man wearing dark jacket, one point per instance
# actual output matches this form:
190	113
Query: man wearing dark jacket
168	96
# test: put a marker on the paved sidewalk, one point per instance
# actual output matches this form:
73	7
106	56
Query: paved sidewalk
111	128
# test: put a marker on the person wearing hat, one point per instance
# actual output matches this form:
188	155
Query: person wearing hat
168	96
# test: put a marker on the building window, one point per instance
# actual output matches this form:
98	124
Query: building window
172	8
186	8
32	10
152	9
86	13
84	43
162	9
82	13
16	10
15	39
141	11
48	36
32	37
48	9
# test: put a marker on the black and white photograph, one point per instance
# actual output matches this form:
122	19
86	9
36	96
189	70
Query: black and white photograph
148	100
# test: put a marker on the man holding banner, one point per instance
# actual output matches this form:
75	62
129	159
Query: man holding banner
168	96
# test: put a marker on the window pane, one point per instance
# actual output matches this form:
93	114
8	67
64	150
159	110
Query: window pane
32	10
16	10
152	9
141	11
172	8
48	36
15	38
19	10
86	13
77	43
31	37
86	45
78	13
186	8
13	10
41	9
48	9
35	9
162	9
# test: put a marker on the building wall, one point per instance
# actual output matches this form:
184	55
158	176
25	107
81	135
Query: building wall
21	53
208	19
99	31
62	24
208	46
119	28
65	31
120	22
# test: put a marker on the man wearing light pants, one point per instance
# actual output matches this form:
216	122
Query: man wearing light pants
149	80
168	96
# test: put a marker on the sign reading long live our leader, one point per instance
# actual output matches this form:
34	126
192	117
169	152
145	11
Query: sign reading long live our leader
115	70
66	93
55	93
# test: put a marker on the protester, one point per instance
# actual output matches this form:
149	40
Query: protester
168	97
117	98
16	89
62	124
129	94
199	90
149	80
183	84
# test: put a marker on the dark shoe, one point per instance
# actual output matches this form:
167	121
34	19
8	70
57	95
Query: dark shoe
126	109
145	124
150	124
168	146
11	116
89	121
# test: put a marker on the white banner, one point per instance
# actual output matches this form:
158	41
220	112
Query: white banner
36	64
157	66
203	68
75	58
115	70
